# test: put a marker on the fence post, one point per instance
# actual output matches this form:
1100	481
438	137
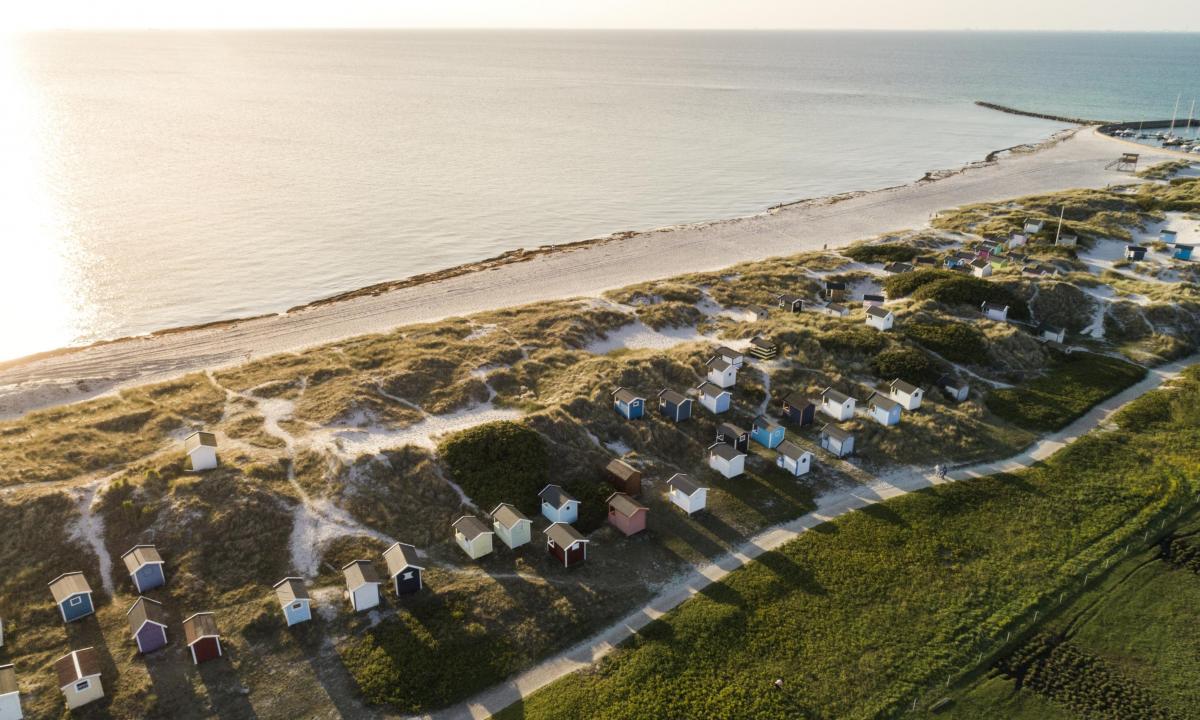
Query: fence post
1035	615
1085	578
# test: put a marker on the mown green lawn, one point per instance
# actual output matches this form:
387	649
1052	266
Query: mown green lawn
1068	390
870	611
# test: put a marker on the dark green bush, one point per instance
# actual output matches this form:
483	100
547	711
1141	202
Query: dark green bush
498	462
954	341
906	363
953	288
888	252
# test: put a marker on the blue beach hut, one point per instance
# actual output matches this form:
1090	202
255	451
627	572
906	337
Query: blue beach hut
766	433
294	600
145	567
1183	252
675	406
73	596
630	406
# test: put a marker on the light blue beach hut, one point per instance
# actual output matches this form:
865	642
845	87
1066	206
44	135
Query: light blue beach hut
765	432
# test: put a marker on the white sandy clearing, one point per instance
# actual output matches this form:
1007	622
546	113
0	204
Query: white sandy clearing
90	529
829	506
374	439
1076	162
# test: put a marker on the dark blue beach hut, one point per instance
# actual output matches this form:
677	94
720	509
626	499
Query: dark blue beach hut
73	596
630	406
145	567
733	436
799	410
675	406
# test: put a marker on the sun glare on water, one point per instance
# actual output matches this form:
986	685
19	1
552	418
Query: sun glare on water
38	305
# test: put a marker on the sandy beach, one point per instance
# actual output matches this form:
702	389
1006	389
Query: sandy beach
580	269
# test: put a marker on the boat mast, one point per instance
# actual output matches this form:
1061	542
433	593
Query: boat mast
1190	112
1171	132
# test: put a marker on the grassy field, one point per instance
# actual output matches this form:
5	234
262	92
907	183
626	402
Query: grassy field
1074	383
862	614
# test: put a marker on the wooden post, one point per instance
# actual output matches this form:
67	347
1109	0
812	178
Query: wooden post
1035	615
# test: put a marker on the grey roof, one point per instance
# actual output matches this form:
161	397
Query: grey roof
834	285
762	342
470	526
711	390
625	396
140	555
764	421
359	573
898	267
624	504
789	299
725	452
836	432
728	428
556	496
399	557
948	381
797	400
718	363
728	352
980	263
878	311
1046	327
836	308
621	469
77	665
8	679
789	449
291	589
508	515
68	585
145	610
200	625
834	396
875	298
684	484
564	535
197	439
675	398
882	401
899	385
994	306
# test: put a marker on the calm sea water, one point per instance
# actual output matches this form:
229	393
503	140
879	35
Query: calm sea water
160	179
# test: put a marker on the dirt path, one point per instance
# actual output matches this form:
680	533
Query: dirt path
829	506
583	270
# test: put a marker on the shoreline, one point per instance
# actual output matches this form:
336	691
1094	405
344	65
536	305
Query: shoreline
1074	157
519	255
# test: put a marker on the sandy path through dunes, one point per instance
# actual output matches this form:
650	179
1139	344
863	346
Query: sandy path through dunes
67	377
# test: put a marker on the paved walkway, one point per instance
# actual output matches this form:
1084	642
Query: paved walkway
829	506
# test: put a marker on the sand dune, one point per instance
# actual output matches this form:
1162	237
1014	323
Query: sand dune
586	269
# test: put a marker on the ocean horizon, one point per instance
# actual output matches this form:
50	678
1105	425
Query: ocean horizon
166	178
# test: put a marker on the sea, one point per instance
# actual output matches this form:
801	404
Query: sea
159	179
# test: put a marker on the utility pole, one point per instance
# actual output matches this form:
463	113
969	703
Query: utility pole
1062	211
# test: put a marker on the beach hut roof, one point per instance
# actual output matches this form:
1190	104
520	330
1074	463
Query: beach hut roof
144	610
291	589
68	585
791	450
77	665
625	396
359	573
564	535
556	496
723	451
712	390
684	484
624	504
675	398
508	515
621	469
399	557
878	399
899	385
8	679
471	527
141	555
878	311
834	396
200	625
835	432
199	438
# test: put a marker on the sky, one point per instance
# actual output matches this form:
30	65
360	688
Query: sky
1149	15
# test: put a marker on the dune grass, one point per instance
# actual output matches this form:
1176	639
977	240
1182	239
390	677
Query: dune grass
859	615
1073	384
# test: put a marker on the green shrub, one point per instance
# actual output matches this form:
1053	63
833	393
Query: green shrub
907	364
1073	385
887	252
956	342
498	462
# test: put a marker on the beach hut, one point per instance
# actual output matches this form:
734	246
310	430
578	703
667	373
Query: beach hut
908	395
628	404
79	677
955	389
145	567
627	514
1066	240
733	436
981	268
202	637
994	311
799	410
793	458
721	372
883	409
897	268
714	398
880	318
566	544
837	441
758	313
1135	253
790	303
837	405
834	290
1168	237
1016	240
292	595
10	694
835	310
766	432
403	570
870	300
73	596
201	451
686	494
674	406
762	348
1183	252
731	356
362	584
558	505
726	460
148	624
1052	333
511	526
1033	227
924	261
472	536
624	477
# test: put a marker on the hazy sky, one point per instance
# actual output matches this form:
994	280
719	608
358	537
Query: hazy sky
1178	15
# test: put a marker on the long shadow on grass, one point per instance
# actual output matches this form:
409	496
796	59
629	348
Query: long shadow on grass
220	677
